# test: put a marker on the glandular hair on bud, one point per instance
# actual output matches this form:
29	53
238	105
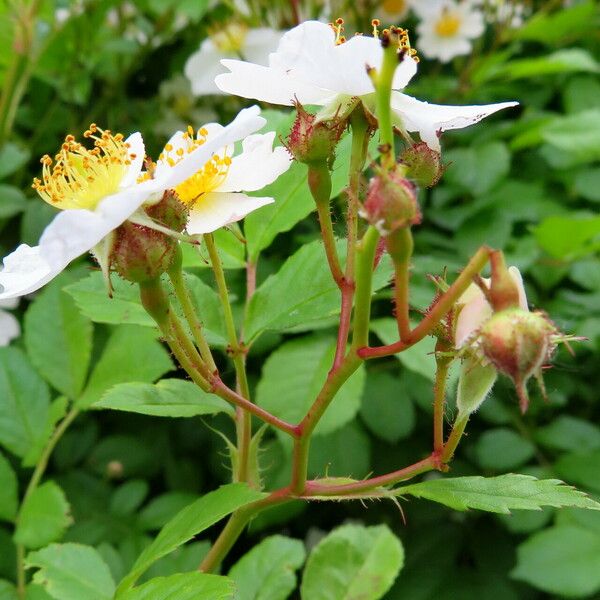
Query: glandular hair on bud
391	203
423	165
169	212
518	343
141	254
313	141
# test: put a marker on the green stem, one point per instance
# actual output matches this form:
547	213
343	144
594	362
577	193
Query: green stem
443	363
235	526
243	418
364	283
443	304
185	300
38	473
455	436
400	246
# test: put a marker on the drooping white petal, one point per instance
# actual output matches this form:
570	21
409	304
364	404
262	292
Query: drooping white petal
203	66
9	328
246	122
430	119
217	209
26	270
136	148
258	165
268	85
76	231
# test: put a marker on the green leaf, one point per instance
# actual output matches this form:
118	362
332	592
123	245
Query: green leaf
503	449
568	433
12	201
353	563
267	571
568	60
58	339
24	402
191	521
346	453
587	184
72	572
581	468
44	517
9	500
387	408
477	169
302	294
418	358
167	398
131	354
160	510
292	377
8	591
561	560
568	237
184	586
231	251
128	497
577	134
125	306
12	158
499	494
581	93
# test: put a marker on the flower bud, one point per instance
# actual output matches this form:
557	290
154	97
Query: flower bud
141	254
475	382
391	203
311	140
518	343
423	165
169	212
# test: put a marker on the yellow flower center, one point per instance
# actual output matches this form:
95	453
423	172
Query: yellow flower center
230	39
394	7
448	24
80	177
207	179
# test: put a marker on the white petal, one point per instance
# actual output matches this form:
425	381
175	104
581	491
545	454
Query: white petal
246	122
74	232
444	49
429	119
259	43
9	302
218	209
136	147
203	66
257	166
9	328
518	279
268	84
25	271
474	313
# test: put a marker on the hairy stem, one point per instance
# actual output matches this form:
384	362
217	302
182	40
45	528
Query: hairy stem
441	307
443	363
36	476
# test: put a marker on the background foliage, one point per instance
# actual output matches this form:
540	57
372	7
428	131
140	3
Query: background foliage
527	181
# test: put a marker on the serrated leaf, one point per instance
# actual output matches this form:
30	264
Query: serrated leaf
267	571
353	563
167	398
72	572
44	517
499	494
58	339
292	377
160	510
191	521
132	353
561	560
302	294
24	402
184	586
9	500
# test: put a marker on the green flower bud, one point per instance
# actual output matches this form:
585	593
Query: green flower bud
518	343
423	165
474	384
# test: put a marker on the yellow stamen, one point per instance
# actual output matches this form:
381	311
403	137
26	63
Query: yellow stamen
230	39
80	177
394	7
448	25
